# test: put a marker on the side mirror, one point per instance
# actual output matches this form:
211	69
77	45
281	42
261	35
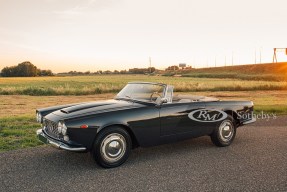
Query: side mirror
163	100
159	101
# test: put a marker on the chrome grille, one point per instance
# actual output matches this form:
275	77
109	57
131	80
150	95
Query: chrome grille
51	128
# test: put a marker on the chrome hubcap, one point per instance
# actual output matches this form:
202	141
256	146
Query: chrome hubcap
226	131
113	147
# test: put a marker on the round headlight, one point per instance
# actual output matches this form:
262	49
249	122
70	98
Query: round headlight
38	117
64	129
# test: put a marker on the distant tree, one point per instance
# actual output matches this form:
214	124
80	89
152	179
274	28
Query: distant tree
138	70
46	73
107	72
39	72
151	69
24	69
142	70
8	71
172	68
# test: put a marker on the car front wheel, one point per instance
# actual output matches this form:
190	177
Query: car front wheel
112	147
224	133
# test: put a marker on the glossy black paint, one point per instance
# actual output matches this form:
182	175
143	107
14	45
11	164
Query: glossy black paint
149	124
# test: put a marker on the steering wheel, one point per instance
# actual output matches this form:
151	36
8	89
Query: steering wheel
151	96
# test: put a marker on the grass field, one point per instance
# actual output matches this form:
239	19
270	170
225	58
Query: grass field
19	97
87	85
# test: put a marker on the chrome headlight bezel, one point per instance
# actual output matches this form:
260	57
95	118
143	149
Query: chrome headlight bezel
38	117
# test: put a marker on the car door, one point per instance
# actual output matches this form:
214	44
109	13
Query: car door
177	125
175	121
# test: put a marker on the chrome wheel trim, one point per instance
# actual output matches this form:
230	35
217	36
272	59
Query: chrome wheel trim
113	147
226	131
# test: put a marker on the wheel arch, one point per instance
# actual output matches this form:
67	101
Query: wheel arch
234	115
135	142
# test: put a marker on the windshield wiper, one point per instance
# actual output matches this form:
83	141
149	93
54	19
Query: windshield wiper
125	97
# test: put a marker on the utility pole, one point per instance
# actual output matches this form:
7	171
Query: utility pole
149	64
275	53
274	56
215	61
225	60
255	56
260	54
232	58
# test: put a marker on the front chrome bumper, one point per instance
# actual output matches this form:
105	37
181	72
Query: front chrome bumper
57	144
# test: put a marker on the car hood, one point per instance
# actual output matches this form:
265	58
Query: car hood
90	108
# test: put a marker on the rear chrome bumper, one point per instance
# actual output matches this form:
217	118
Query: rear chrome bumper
249	121
57	144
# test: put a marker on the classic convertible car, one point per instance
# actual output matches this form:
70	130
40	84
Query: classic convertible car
141	115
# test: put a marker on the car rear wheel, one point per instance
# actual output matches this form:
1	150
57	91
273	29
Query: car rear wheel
224	133
112	147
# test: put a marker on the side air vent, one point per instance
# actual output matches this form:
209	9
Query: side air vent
63	111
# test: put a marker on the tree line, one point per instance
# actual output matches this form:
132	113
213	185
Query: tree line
130	71
27	69
24	69
149	70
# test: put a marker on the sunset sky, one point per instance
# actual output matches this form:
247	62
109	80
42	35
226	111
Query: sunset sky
82	35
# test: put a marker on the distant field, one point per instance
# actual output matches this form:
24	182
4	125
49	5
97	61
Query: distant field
87	85
267	72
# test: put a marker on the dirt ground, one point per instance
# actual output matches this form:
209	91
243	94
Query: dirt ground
18	105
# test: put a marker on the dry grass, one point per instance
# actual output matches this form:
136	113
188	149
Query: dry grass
258	72
267	68
22	105
87	85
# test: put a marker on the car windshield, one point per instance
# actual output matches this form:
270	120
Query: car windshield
142	91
